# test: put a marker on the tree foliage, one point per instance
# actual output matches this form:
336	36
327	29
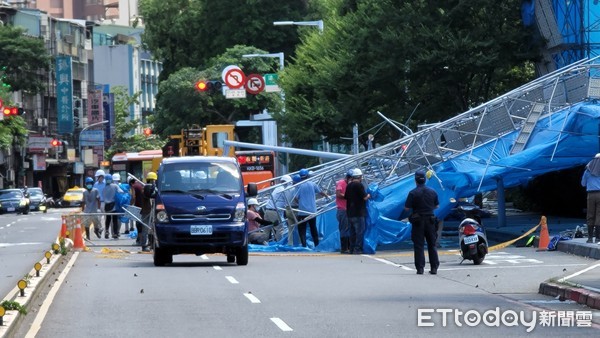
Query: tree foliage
21	57
124	138
180	105
184	33
390	56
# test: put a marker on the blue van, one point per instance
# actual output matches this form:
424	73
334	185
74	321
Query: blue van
199	207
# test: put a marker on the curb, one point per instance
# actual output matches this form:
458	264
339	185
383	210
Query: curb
564	292
591	251
12	317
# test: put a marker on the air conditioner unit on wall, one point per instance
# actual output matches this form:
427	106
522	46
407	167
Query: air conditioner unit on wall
68	38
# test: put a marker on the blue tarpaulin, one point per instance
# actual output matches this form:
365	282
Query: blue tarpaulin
563	140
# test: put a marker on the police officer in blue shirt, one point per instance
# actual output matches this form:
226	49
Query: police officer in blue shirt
423	201
591	181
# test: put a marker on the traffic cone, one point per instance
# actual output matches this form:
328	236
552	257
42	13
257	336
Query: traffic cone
544	236
63	229
78	239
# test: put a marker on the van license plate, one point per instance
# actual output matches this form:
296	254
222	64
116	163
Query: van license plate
201	229
10	209
471	239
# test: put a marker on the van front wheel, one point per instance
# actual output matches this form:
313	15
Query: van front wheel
162	257
242	255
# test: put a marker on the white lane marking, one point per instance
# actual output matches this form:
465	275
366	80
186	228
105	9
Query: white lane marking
204	257
4	245
232	280
252	298
216	267
579	272
281	324
507	267
385	261
37	322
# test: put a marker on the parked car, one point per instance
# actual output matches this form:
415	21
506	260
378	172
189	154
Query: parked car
37	200
72	198
13	200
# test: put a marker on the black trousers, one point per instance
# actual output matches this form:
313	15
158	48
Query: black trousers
114	219
424	230
313	230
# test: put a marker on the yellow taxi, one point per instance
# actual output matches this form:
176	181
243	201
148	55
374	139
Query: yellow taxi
72	198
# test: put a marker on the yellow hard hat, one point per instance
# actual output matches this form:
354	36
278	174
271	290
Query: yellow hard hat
429	173
151	176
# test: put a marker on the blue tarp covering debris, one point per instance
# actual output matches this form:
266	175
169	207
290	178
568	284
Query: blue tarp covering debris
563	140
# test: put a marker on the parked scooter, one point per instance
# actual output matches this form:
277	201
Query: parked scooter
471	235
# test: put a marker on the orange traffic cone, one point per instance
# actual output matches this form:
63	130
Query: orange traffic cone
63	229
544	236
78	239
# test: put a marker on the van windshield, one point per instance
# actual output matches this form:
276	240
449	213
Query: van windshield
202	178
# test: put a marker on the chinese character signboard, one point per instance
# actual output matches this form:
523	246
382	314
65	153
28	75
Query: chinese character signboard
64	94
95	107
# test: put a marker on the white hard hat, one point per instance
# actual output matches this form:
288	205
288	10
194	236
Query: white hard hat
286	178
99	172
357	173
116	177
252	201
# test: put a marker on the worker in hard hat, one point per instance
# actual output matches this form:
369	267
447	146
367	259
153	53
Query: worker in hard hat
99	185
142	239
356	210
274	210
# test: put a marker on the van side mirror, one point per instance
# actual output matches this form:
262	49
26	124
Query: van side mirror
252	190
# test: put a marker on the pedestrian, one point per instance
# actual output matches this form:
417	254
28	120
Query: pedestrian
591	181
291	216
275	207
99	185
91	205
151	178
307	206
255	234
137	197
341	215
110	194
422	201
356	210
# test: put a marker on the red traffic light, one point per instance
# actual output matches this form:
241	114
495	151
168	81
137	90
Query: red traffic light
7	111
201	85
55	143
147	131
209	86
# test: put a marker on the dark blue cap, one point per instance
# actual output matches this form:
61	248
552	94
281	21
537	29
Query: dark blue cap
420	176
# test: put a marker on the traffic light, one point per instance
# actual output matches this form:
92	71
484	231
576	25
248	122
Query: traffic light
209	87
147	132
55	143
11	111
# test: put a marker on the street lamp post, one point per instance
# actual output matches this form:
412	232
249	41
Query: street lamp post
281	93
318	23
80	133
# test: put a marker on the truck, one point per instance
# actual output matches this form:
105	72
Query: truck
199	207
256	165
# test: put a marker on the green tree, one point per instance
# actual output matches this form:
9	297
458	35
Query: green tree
125	139
185	33
179	104
21	58
390	56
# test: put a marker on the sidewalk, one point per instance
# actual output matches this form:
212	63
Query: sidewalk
583	286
